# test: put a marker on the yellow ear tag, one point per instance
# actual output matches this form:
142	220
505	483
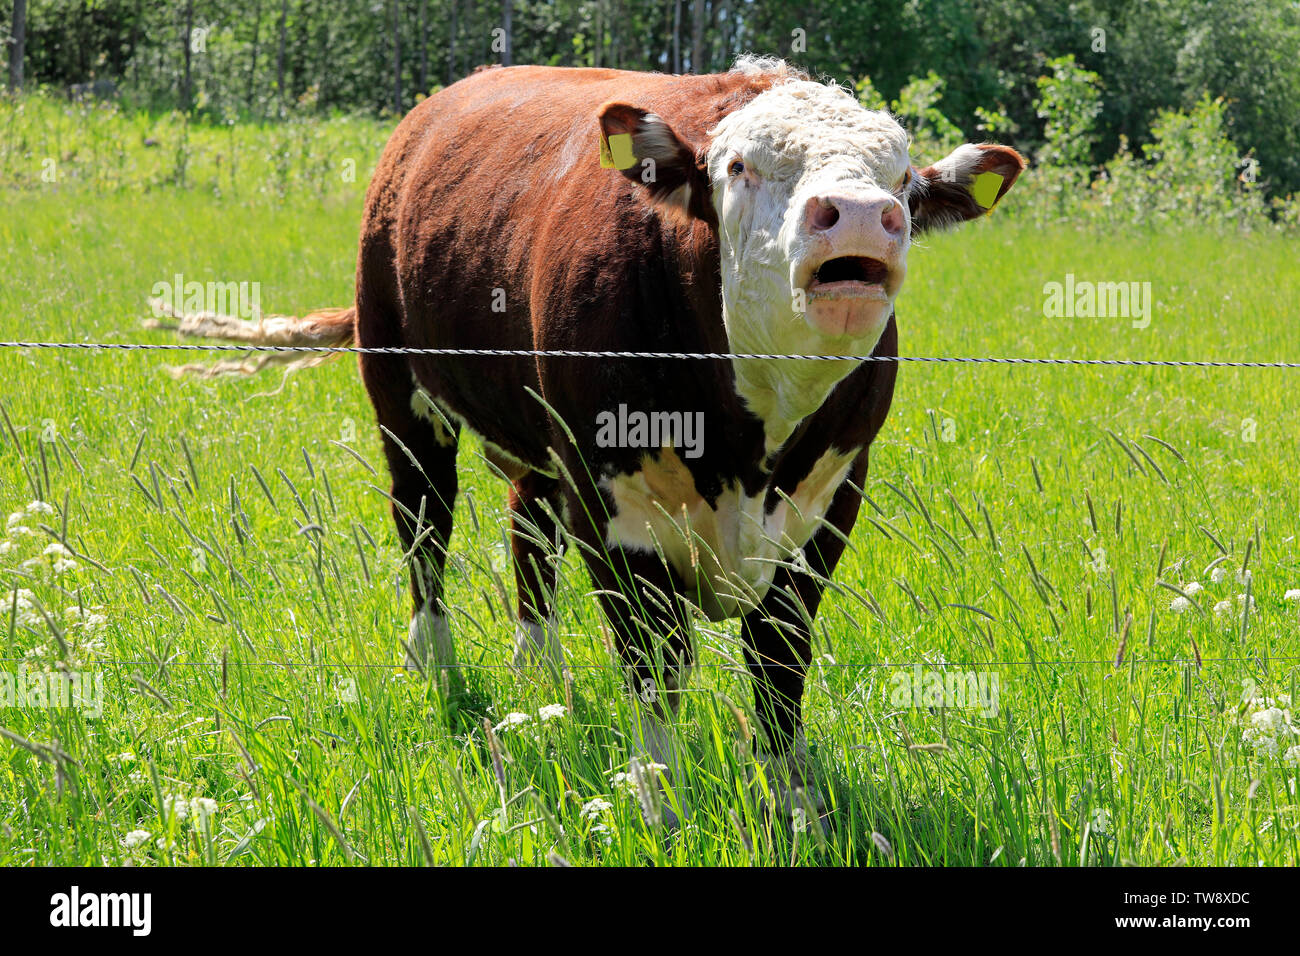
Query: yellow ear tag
985	189
616	152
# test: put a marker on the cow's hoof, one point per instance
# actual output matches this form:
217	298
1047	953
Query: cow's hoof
538	651
794	800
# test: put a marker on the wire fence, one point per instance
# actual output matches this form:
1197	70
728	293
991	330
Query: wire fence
698	665
583	353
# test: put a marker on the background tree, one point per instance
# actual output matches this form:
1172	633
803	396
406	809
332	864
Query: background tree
347	55
17	43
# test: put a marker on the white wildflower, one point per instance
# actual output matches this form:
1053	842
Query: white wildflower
1264	745
135	838
86	618
1193	588
513	719
1270	721
1292	595
39	508
22	597
1268	725
202	808
1223	609
1217	575
552	711
594	809
176	806
1292	757
1241	599
14	519
1180	604
625	781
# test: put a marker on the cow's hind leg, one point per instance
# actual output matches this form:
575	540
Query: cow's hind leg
420	446
534	546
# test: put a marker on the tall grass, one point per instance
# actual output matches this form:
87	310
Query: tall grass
238	587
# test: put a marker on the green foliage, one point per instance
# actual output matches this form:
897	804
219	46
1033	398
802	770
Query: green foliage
1068	103
383	56
47	143
934	136
1192	173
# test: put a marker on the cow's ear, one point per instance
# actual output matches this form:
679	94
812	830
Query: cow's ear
965	184
645	149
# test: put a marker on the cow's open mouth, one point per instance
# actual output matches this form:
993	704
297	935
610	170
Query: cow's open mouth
848	274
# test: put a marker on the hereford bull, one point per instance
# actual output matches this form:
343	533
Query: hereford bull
753	211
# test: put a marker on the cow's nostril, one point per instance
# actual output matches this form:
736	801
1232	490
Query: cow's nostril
822	215
892	218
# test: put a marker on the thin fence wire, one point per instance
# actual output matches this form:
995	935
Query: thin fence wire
582	353
324	665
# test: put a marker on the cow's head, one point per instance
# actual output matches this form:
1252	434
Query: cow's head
815	203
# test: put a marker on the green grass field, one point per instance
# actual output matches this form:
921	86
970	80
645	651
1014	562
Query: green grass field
236	583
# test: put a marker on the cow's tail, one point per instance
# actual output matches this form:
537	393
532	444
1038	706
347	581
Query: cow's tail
328	328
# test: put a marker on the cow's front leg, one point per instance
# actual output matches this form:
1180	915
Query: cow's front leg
778	649
655	646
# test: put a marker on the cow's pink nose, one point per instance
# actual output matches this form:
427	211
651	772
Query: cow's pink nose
879	216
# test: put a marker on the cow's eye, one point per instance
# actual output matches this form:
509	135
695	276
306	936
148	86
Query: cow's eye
905	181
736	168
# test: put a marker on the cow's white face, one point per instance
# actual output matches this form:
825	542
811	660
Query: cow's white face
815	204
809	189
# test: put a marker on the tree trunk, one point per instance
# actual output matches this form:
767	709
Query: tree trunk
189	42
677	36
20	40
451	44
279	56
397	57
615	58
507	14
252	63
697	39
323	84
135	43
423	77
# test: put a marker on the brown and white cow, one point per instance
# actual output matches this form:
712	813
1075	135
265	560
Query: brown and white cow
756	211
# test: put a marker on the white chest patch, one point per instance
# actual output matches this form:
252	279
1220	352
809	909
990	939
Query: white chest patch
726	554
